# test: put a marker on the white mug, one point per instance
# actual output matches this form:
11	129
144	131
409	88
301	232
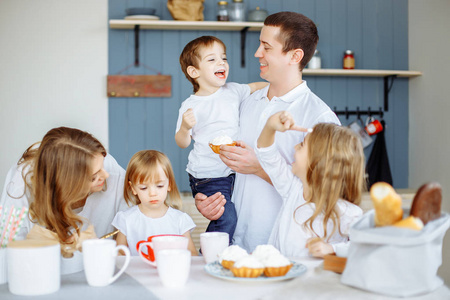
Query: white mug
3	266
212	244
173	266
99	259
33	267
157	243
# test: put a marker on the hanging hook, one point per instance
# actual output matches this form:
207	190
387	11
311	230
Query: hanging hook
369	112
381	113
357	113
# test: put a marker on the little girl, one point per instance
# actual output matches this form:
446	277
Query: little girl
150	183
320	192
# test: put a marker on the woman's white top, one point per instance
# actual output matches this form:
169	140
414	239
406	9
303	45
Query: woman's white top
100	207
137	227
215	115
288	234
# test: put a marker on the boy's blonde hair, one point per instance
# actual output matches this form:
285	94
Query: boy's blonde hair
60	175
191	55
143	168
335	171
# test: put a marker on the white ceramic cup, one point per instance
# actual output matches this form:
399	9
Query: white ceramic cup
33	267
99	259
3	266
157	243
212	244
173	266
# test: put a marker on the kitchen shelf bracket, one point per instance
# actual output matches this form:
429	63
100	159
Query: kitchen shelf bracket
243	36
387	89
136	45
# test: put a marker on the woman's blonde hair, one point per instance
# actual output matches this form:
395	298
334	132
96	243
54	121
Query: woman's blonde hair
143	168
60	175
335	171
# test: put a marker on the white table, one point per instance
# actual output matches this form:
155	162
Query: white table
141	281
316	283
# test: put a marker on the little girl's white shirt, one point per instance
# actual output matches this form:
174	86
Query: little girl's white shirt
288	234
215	115
137	227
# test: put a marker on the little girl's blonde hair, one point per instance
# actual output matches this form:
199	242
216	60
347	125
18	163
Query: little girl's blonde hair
335	171
143	168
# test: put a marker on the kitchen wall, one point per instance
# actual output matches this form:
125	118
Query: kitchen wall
53	66
377	31
429	137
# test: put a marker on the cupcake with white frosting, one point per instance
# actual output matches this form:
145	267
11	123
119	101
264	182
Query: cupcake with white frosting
221	140
264	251
247	266
276	265
230	255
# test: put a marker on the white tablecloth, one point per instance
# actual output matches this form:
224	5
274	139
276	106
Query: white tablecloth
316	283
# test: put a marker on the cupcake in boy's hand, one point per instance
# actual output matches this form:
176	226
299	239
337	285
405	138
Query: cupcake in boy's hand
247	266
276	265
221	140
230	255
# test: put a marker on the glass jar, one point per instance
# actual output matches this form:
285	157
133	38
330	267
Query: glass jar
315	62
349	60
237	11
222	11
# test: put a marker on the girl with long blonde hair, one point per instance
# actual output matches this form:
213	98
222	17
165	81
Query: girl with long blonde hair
322	189
150	185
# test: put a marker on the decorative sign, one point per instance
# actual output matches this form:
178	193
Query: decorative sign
155	86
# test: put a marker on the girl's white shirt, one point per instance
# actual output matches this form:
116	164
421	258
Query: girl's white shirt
288	234
137	227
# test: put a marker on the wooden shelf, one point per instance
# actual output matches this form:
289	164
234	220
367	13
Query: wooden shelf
360	73
185	25
137	25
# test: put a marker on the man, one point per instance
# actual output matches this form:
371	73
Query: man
287	43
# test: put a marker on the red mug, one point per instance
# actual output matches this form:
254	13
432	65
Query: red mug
374	127
155	243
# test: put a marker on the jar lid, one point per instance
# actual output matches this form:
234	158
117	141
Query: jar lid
222	3
348	52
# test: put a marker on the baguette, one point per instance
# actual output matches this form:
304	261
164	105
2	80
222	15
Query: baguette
387	204
410	222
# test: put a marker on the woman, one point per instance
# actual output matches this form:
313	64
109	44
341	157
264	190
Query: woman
68	181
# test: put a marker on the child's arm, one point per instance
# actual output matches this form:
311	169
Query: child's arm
281	121
121	239
191	246
254	86
318	248
182	137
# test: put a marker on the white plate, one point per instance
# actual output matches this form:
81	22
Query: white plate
141	17
215	269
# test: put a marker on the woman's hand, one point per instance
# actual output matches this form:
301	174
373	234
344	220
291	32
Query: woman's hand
318	248
211	207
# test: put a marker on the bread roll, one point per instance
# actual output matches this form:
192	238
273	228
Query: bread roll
427	202
387	204
410	222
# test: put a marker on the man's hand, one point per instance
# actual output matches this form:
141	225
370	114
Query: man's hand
211	207
240	158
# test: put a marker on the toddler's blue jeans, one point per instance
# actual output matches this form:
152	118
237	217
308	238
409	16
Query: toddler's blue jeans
210	186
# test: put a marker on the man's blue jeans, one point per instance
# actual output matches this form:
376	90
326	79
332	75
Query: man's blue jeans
210	186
